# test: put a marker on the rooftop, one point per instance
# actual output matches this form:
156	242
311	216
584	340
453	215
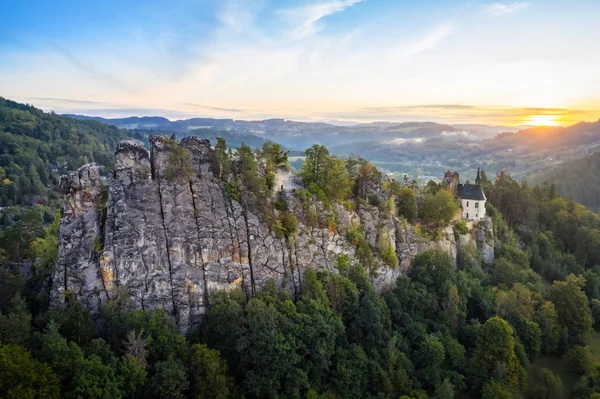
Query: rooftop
471	192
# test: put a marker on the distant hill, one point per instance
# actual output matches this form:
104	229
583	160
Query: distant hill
583	133
578	179
300	135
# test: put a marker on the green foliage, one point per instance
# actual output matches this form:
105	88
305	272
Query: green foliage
208	374
547	319
134	377
495	390
22	377
324	175
407	204
545	385
232	190
273	156
572	307
268	356
445	390
37	147
575	179
367	177
460	227
495	352
356	236
579	359
169	381
386	249
15	328
179	162
286	224
253	187
342	262
220	327
438	209
221	160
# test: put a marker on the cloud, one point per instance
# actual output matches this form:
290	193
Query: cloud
209	107
462	133
305	18
506	8
428	42
66	101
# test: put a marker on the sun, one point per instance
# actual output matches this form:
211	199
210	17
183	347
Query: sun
542	120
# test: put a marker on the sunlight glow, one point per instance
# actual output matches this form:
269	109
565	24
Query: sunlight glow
543	120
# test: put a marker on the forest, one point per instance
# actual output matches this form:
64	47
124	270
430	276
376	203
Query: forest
36	148
523	326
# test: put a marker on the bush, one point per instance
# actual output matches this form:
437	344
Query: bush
286	225
386	249
461	227
342	261
232	190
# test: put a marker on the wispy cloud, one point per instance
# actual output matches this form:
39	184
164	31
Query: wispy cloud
213	108
306	18
506	8
67	101
428	42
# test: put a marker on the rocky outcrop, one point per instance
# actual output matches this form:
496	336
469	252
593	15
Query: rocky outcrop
170	241
77	273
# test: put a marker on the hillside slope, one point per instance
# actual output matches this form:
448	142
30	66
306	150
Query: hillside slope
578	179
37	147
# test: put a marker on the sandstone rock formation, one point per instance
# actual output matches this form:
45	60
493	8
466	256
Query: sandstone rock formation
172	242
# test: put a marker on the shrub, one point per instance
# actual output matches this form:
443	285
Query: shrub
386	249
270	180
461	228
342	261
232	190
289	223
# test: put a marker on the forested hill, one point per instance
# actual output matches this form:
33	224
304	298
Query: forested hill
37	147
583	133
578	179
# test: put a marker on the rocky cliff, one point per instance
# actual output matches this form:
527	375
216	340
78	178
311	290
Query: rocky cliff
170	242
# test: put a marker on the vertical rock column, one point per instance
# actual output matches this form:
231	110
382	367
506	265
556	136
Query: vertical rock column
135	255
180	230
77	273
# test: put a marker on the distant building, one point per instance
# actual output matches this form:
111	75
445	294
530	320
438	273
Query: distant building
472	199
471	195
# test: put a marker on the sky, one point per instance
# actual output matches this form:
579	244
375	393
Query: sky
493	62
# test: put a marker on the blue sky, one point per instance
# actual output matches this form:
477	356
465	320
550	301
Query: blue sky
500	62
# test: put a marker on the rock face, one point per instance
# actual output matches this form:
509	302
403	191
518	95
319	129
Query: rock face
171	242
77	271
